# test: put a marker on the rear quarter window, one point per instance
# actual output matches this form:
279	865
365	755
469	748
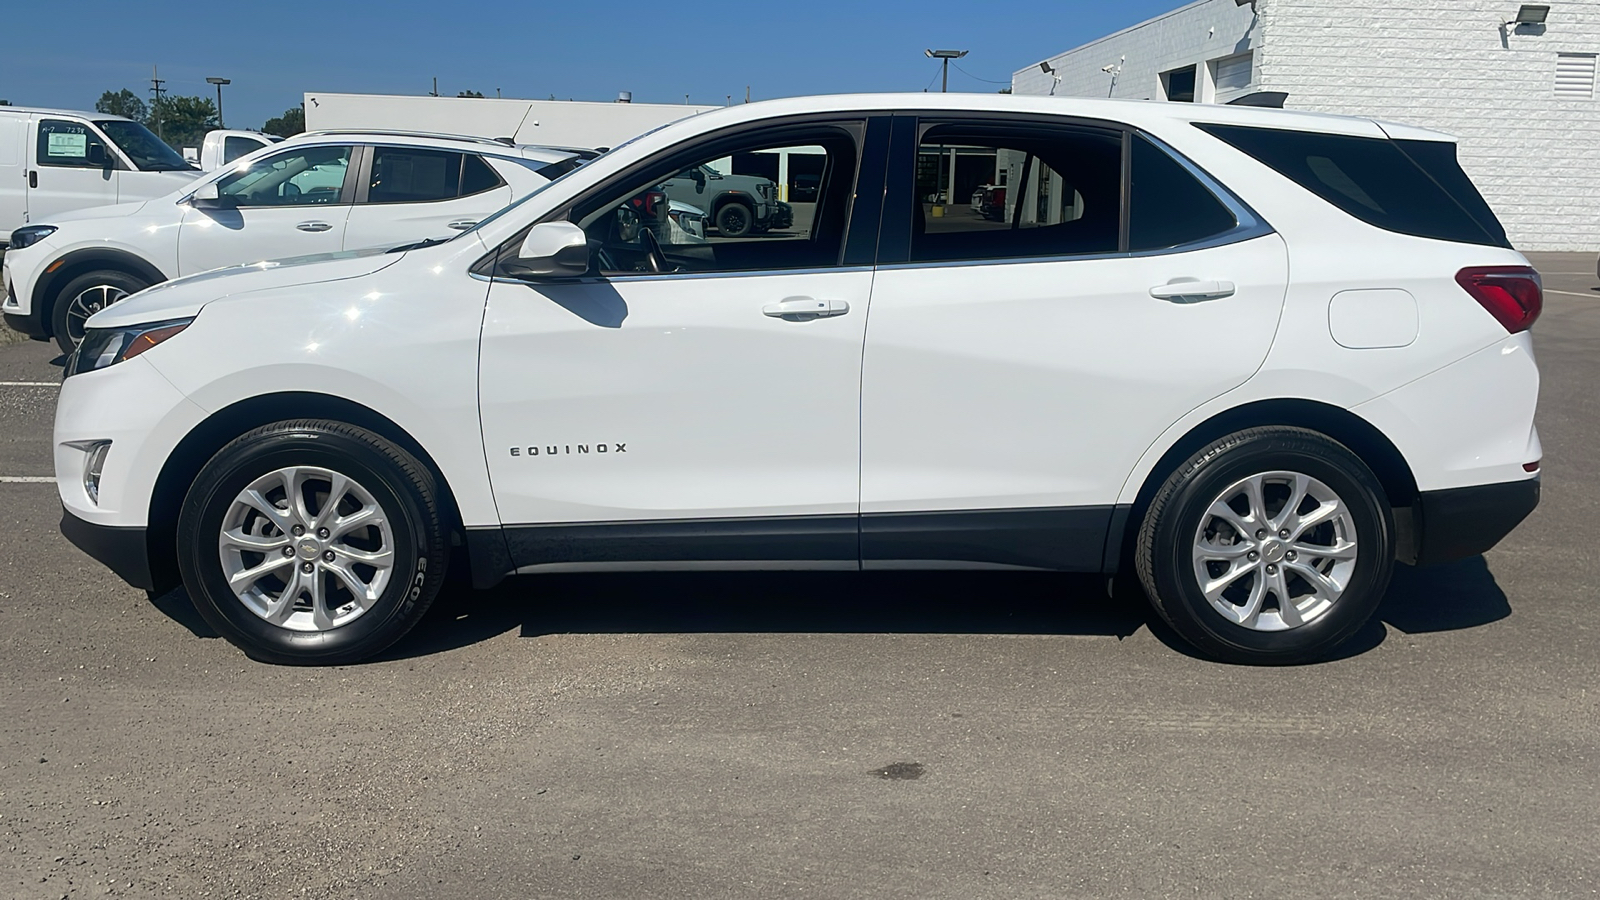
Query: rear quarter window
1376	180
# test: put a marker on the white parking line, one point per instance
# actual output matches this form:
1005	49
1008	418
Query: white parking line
1594	296
30	384
26	479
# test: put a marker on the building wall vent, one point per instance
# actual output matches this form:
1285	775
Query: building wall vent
1234	72
1575	75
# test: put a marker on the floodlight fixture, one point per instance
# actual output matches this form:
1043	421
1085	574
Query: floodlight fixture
1531	14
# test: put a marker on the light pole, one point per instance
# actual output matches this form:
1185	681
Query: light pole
219	82
945	56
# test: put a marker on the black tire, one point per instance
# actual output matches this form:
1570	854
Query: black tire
67	325
1164	551
404	490
735	220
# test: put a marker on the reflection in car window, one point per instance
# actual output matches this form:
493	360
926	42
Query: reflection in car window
148	152
726	212
992	192
305	177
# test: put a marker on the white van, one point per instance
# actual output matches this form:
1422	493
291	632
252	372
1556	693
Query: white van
53	161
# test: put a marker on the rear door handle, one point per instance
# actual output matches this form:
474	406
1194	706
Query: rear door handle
33	179
462	225
1191	291
804	309
314	226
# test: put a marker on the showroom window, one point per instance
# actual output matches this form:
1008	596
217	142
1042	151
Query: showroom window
1000	192
415	175
310	176
721	210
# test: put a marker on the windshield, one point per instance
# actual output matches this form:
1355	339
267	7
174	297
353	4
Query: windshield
147	151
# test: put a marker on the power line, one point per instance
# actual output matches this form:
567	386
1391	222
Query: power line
936	70
974	77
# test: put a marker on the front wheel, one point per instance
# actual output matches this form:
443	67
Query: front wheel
312	542
734	220
84	296
1270	546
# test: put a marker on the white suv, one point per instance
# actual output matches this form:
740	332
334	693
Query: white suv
1253	356
316	193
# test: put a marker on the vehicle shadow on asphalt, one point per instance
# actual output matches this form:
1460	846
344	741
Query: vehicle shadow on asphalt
1441	598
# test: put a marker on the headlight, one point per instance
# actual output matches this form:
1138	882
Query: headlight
104	347
28	235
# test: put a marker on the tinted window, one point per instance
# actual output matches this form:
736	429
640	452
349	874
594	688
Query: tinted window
311	176
148	152
63	143
720	212
997	192
234	147
1170	206
1369	178
412	175
476	176
1438	159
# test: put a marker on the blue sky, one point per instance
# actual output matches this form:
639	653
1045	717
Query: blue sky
65	55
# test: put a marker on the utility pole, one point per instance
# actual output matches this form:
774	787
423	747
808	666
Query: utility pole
156	90
435	91
944	56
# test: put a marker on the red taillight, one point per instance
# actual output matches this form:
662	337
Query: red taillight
1514	295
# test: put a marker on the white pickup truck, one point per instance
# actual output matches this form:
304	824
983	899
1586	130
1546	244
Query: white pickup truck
225	145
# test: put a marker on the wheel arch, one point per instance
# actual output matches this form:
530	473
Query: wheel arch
1364	439
727	197
215	431
79	262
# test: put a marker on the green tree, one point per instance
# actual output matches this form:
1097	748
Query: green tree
473	94
291	123
123	103
183	121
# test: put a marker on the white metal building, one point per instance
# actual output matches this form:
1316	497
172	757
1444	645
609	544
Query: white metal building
555	123
1521	97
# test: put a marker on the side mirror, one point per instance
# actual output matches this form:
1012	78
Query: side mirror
97	155
206	196
699	177
551	250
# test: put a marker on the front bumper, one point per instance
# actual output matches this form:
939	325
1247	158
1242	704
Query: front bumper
782	215
26	322
1454	524
123	550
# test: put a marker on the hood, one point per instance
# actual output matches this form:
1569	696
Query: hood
95	212
185	297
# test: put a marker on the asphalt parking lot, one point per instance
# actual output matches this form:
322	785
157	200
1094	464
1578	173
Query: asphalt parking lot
813	735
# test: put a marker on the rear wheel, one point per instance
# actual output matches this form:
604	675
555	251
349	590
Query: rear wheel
84	296
1270	546
312	542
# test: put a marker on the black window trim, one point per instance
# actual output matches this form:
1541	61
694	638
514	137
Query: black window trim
864	211
1250	223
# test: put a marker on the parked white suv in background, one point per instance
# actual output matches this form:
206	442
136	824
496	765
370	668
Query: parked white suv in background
316	193
1252	356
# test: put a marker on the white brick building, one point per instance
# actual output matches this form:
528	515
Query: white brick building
1521	98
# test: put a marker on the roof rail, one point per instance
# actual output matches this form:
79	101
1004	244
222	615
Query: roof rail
389	132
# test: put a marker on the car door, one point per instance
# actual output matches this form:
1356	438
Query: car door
706	412
1017	366
13	172
291	203
410	194
74	167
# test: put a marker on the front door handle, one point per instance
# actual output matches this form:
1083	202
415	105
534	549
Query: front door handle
314	226
804	309
462	225
1191	291
33	178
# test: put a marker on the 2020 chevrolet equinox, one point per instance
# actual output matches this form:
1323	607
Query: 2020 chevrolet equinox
1254	357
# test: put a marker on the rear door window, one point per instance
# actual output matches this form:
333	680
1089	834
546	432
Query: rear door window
418	175
1375	180
1169	207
